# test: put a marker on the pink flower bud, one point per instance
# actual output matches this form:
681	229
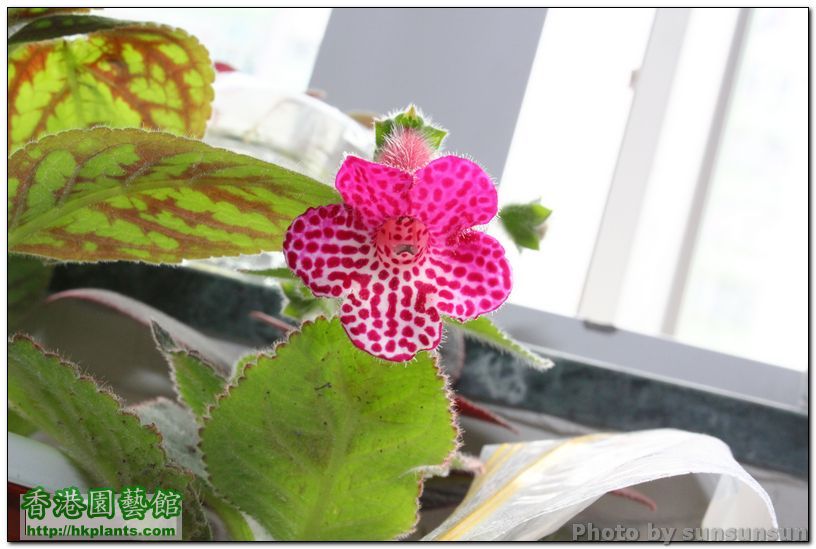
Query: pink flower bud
406	149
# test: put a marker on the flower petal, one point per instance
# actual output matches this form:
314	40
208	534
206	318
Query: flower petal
330	249
376	191
472	277
393	319
452	194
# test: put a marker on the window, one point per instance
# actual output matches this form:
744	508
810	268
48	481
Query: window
566	143
680	202
746	292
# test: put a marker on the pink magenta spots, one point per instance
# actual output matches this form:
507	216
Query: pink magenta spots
401	252
376	192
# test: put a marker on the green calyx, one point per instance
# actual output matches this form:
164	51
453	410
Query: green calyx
410	118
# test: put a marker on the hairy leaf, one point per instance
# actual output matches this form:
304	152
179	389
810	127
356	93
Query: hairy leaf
88	423
139	75
525	223
326	441
178	429
128	194
484	330
56	26
301	303
17	15
28	280
17	424
282	273
235	521
197	382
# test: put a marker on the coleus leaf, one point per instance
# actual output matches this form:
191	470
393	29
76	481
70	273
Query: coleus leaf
138	75
28	280
128	194
197	382
484	330
89	424
326	441
16	15
56	26
525	223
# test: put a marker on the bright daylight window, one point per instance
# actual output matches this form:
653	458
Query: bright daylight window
739	289
747	287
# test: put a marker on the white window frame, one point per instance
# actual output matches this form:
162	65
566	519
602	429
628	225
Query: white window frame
361	35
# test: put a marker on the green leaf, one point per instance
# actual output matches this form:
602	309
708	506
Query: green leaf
57	26
88	423
484	330
525	223
282	273
179	432
234	520
128	194
17	424
327	442
409	118
28	280
197	382
138	75
17	15
302	303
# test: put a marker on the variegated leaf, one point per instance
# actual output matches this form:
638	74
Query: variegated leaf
128	194
139	75
57	26
17	15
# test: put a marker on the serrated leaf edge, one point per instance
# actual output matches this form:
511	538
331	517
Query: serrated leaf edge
271	352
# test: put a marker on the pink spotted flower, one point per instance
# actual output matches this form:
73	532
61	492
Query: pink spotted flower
401	251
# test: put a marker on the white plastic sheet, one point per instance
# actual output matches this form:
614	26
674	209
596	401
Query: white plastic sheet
531	489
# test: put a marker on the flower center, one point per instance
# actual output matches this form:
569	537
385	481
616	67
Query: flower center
401	240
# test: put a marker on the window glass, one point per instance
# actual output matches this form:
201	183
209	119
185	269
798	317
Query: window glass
747	289
566	143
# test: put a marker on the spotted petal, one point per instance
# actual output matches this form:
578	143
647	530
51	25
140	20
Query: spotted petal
452	194
329	248
472	277
378	192
393	319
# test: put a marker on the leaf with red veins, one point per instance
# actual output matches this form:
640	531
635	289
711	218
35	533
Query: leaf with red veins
331	250
376	191
472	277
452	194
393	319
